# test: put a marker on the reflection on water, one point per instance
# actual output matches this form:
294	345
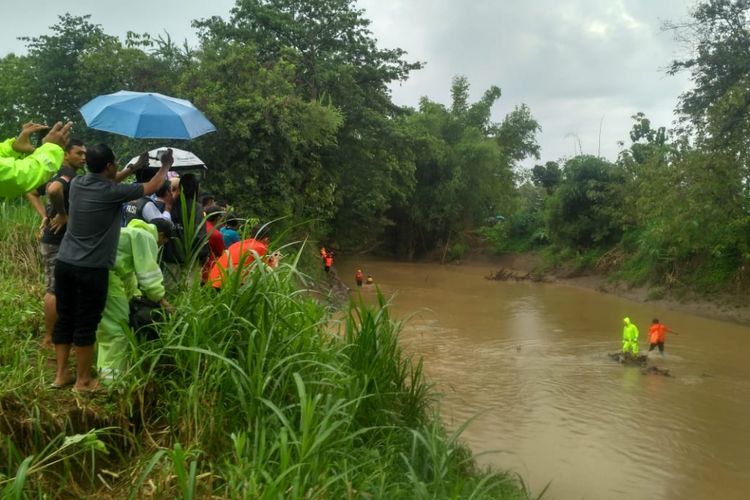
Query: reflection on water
528	362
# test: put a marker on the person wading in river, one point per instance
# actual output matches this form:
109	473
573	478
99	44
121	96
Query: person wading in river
629	338
328	262
657	334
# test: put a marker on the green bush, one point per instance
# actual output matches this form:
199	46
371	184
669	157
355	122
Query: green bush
457	251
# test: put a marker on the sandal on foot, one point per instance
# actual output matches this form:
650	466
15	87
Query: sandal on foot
97	389
65	384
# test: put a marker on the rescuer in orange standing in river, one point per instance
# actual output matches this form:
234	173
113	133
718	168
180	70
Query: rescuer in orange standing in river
328	261
657	334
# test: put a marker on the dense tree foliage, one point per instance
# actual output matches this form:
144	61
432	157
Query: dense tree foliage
547	176
584	212
706	171
307	132
464	168
674	209
335	60
266	157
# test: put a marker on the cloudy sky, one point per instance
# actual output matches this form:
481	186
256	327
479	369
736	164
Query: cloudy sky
582	66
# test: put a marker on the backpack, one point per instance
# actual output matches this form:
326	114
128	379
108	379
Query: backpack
134	209
144	314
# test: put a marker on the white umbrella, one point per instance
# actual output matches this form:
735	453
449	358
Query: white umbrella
182	158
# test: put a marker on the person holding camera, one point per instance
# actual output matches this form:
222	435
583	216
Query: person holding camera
87	253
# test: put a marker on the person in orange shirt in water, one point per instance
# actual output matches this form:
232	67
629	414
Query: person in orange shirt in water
359	277
328	261
657	334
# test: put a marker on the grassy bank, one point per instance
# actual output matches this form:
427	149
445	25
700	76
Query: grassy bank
252	393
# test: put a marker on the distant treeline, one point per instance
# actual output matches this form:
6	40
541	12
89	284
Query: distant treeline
673	211
307	130
306	126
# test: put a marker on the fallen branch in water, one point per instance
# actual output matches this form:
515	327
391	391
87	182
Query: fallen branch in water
640	360
504	274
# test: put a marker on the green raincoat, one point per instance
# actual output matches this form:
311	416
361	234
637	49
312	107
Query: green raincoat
136	273
629	337
20	173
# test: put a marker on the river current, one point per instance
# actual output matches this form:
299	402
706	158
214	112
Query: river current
528	363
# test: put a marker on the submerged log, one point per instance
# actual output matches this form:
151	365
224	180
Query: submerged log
640	360
629	359
505	274
655	370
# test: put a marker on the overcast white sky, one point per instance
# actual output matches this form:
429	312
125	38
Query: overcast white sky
576	63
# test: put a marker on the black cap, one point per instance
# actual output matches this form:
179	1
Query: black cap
162	226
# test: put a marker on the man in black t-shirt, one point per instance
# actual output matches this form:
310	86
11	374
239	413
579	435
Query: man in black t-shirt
54	223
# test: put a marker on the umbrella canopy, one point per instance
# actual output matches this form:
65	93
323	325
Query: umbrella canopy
146	115
182	159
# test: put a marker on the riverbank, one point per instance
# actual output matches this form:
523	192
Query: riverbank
724	308
244	395
528	363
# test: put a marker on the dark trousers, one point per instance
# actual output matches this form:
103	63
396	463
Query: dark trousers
81	296
660	344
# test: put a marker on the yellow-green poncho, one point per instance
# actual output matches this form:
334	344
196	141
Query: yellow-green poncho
20	173
136	273
629	337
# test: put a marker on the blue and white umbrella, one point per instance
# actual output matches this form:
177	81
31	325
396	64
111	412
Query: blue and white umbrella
146	115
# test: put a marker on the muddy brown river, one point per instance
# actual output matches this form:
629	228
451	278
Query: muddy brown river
528	362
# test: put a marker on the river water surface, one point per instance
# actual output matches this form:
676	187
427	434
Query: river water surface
529	362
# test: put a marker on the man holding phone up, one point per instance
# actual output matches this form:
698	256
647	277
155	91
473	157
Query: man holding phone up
86	255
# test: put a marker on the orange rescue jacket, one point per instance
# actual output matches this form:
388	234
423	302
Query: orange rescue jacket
657	333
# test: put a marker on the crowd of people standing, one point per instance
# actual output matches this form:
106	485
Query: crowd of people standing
100	238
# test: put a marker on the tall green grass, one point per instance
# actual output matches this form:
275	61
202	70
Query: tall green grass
20	296
255	391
